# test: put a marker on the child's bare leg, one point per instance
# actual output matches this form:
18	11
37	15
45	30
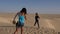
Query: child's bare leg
38	24
34	23
16	31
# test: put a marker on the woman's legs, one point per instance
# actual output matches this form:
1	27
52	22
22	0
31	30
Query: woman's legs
17	29
21	30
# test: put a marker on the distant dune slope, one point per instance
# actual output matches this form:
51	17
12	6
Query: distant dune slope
46	20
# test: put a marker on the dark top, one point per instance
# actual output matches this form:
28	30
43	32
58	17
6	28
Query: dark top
36	18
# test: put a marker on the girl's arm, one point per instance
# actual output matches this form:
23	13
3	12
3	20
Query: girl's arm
38	17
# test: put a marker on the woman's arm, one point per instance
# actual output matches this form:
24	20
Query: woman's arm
15	17
25	17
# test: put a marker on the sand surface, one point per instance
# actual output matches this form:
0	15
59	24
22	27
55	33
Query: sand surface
49	24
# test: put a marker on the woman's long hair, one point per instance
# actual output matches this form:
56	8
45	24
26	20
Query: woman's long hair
23	10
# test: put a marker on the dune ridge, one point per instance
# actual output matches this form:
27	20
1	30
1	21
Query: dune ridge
49	24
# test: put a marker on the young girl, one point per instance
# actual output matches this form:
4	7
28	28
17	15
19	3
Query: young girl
36	19
21	19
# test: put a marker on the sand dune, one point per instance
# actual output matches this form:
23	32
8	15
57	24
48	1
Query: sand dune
47	22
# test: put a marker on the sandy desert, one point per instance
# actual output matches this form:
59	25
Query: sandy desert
49	24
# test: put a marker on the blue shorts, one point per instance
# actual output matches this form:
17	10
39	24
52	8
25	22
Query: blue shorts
18	24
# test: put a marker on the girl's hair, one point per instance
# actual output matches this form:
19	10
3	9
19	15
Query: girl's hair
23	10
36	13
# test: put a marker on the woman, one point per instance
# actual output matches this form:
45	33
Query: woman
21	20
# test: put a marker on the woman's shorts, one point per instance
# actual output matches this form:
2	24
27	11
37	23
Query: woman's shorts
19	24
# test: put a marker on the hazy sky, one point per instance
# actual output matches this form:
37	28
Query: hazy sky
41	6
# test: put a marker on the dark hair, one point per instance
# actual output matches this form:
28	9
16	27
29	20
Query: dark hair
36	13
23	10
